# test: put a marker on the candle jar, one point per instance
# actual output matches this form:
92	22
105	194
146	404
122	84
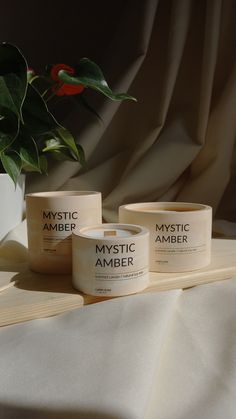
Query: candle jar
110	259
51	219
180	233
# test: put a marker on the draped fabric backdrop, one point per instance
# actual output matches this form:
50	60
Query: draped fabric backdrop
178	59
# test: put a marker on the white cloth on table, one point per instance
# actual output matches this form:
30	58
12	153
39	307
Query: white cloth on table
159	356
168	355
94	362
197	377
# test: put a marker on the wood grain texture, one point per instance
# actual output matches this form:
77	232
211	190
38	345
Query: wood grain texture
34	296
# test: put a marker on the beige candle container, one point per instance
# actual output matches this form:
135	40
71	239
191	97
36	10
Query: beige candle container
180	233
51	219
111	259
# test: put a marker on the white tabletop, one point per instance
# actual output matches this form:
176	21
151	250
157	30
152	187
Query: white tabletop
163	355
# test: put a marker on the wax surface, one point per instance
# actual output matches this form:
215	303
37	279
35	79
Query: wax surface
100	232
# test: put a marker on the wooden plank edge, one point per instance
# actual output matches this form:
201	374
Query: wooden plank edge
167	284
40	310
195	280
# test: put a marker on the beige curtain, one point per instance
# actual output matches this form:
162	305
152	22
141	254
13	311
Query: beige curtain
178	141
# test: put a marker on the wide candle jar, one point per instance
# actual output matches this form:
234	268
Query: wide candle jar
51	219
180	233
110	259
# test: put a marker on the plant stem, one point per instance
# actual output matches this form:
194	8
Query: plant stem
50	97
45	92
53	93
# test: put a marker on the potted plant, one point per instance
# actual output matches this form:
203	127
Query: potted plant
29	132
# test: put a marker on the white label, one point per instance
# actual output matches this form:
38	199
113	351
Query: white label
104	283
174	240
117	266
57	227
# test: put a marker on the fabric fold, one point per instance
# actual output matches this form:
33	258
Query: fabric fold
197	377
99	358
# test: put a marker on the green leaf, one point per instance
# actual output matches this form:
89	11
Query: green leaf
68	139
90	75
29	155
13	78
27	149
37	118
12	165
81	153
62	155
53	144
9	128
62	146
43	164
13	82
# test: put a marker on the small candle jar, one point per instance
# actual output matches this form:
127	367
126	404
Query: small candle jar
51	219
180	233
111	259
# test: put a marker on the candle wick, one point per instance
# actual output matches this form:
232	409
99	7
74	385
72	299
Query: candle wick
109	233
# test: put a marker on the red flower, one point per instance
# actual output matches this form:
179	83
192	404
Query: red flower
68	89
64	89
57	67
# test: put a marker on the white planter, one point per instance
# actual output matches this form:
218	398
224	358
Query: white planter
11	203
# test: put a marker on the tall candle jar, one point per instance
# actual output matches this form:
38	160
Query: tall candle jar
51	219
111	259
180	233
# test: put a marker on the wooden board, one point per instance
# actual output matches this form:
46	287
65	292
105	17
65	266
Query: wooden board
26	295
